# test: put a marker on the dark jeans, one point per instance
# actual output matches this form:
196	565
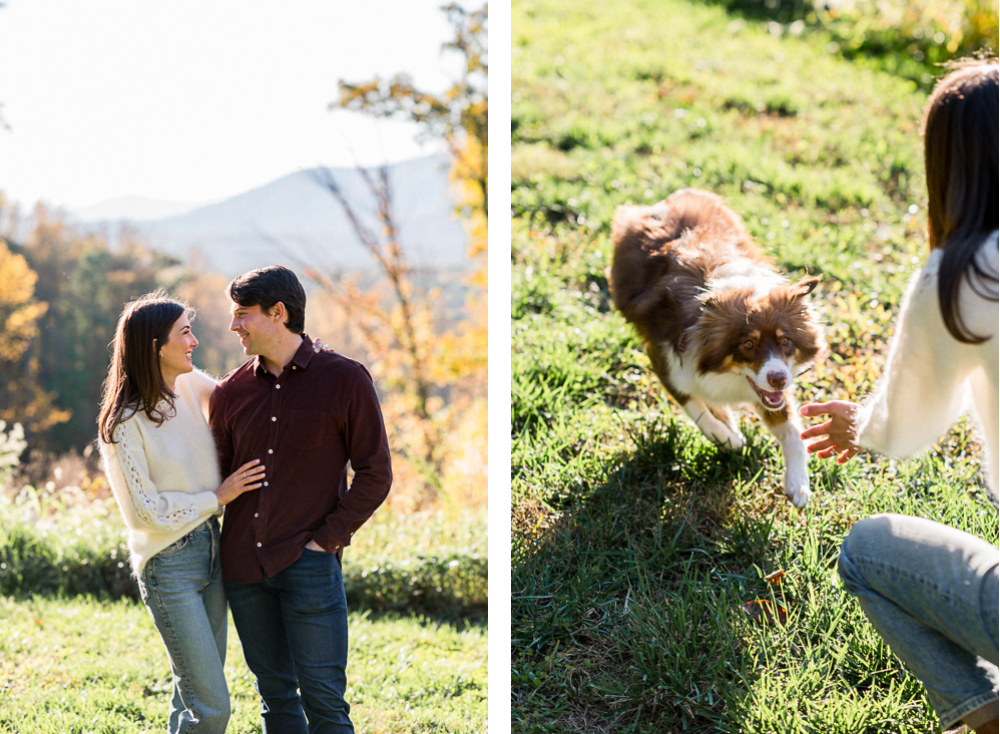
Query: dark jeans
293	628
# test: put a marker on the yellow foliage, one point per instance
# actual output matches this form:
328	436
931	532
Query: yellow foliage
960	26
22	400
19	313
430	369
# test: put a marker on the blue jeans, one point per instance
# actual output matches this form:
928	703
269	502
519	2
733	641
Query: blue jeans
931	593
182	588
293	627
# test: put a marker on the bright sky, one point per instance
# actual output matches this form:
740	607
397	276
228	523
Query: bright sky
198	100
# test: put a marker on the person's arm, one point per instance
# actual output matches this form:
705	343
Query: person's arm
203	386
368	449
149	508
221	431
152	509
923	390
921	393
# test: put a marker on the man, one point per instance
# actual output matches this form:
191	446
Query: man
305	415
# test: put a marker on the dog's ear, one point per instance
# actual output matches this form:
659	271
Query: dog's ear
806	286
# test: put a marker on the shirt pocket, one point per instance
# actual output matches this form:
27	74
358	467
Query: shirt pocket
306	428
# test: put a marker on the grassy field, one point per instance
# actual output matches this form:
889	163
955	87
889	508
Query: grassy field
79	654
636	544
79	666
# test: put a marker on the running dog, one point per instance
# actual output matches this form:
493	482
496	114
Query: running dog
723	329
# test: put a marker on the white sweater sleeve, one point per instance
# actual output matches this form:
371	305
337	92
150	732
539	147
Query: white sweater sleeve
202	384
924	387
152	509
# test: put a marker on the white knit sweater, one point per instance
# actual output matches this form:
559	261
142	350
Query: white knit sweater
931	378
164	477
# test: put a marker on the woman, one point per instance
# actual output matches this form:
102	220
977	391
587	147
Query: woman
930	590
160	459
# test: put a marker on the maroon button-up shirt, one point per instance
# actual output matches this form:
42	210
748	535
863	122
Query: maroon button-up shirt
305	426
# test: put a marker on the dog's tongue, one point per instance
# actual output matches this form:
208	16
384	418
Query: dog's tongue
771	399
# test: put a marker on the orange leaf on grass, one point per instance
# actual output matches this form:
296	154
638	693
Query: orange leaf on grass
763	611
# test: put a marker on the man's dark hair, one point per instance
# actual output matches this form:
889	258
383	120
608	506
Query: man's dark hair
265	287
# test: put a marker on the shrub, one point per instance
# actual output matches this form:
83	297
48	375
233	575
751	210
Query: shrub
11	446
67	543
906	37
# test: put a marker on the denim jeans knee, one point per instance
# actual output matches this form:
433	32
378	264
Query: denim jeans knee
183	591
931	592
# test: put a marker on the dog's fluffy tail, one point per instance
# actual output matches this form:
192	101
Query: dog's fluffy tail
642	235
690	208
667	220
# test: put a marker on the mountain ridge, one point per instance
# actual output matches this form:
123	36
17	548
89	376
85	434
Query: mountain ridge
295	220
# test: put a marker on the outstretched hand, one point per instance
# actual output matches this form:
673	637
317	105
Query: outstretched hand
838	434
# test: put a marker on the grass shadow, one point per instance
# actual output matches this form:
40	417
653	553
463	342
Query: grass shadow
627	606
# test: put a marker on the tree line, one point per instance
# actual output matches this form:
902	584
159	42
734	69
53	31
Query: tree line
60	296
61	292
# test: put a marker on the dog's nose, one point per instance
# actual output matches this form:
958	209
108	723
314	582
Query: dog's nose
777	380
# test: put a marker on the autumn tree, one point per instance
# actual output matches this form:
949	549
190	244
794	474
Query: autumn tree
434	380
459	116
86	285
22	398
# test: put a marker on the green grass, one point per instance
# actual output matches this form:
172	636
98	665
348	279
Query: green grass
635	542
75	666
79	654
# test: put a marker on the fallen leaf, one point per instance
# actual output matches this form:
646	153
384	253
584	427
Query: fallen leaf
763	610
775	577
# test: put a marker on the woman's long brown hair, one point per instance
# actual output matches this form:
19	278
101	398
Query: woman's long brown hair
960	154
134	381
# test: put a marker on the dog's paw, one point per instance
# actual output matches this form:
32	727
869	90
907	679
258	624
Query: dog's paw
734	441
797	488
726	438
721	431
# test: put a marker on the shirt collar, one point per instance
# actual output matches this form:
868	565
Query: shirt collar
301	360
305	352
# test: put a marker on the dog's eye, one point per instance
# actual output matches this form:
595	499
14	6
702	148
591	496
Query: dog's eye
785	341
748	345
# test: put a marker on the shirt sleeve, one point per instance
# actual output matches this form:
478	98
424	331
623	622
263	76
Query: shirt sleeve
221	431
924	388
149	508
368	448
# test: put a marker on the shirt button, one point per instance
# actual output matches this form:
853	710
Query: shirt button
277	387
265	484
258	545
274	417
270	451
256	515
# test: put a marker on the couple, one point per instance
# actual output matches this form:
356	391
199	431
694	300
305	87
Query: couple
288	421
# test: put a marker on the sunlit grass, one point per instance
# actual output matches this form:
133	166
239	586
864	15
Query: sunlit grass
636	543
73	663
79	665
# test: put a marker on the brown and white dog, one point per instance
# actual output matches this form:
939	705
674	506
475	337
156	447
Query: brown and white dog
722	327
